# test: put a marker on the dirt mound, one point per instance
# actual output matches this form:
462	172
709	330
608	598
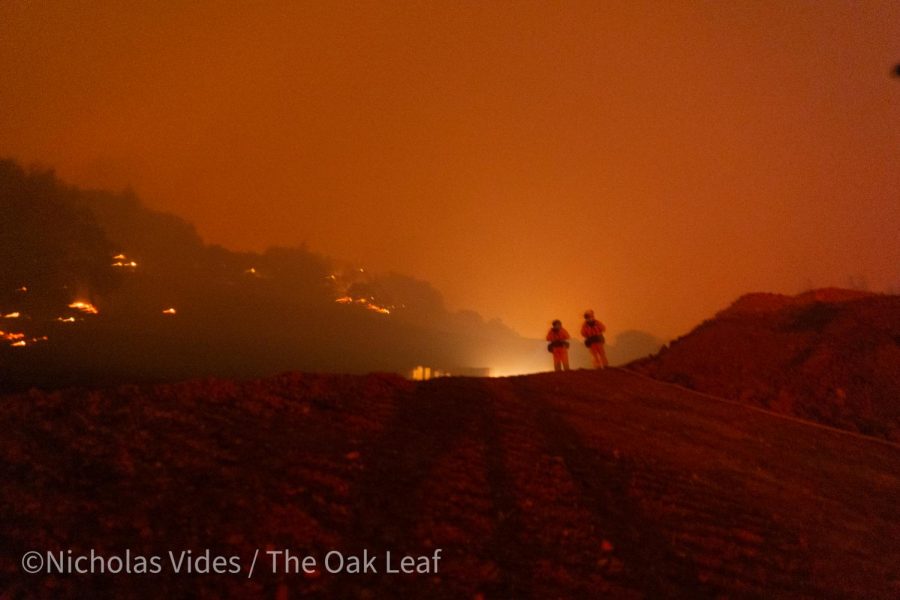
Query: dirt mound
571	485
832	356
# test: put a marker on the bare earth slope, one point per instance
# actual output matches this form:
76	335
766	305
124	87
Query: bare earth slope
570	485
831	356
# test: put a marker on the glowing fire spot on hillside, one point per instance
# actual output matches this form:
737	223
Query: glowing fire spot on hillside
85	307
66	319
379	309
122	262
17	339
366	303
169	311
12	315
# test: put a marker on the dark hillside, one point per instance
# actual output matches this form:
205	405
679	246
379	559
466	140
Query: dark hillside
831	356
96	289
582	484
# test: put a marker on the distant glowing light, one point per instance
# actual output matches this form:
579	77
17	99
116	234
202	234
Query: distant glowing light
12	315
19	344
119	257
422	373
66	319
22	289
169	311
344	300
85	307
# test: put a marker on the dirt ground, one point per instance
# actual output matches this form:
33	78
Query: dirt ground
572	485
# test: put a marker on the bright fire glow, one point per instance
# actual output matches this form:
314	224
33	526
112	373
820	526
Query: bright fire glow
12	315
66	320
85	307
123	262
169	311
367	303
22	289
15	338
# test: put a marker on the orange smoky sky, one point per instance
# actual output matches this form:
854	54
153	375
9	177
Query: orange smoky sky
529	159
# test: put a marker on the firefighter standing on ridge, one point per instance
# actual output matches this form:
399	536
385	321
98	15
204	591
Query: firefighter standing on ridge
592	332
559	346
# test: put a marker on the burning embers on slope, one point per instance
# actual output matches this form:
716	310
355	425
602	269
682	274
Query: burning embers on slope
365	303
85	307
18	339
354	287
122	262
